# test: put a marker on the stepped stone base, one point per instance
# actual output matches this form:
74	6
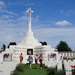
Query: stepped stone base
17	50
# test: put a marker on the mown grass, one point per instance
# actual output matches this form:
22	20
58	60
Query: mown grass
33	70
23	69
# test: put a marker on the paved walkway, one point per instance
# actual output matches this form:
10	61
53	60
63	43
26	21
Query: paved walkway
7	66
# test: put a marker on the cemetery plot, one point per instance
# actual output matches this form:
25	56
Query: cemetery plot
7	57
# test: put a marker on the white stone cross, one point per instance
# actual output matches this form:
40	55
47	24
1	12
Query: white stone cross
29	11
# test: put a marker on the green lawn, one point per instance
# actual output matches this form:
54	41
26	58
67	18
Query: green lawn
33	71
23	69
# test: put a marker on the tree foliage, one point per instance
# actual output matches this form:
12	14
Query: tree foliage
11	43
63	46
43	43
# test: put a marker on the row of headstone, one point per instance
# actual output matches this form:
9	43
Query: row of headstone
59	65
68	55
51	63
1	57
67	66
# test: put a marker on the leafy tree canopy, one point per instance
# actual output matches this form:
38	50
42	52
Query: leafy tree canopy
11	43
43	43
63	46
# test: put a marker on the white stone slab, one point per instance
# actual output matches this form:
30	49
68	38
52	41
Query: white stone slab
59	65
7	67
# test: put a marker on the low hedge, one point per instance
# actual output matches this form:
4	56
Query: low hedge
15	73
60	72
19	68
51	71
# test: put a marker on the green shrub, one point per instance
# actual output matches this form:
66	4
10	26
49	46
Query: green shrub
11	43
51	71
0	51
45	67
19	68
73	72
60	72
15	73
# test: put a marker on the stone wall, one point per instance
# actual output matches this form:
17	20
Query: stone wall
68	54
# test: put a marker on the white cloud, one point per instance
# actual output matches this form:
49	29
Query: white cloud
67	12
53	37
22	18
6	16
8	12
2	3
61	11
29	4
50	35
3	11
63	23
15	32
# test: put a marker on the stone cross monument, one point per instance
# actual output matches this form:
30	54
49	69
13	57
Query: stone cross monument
29	11
29	39
31	45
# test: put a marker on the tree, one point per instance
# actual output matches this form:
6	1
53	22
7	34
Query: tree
43	43
63	46
11	43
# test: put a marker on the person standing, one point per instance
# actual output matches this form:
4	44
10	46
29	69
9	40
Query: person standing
30	59
61	58
3	47
36	60
40	60
21	58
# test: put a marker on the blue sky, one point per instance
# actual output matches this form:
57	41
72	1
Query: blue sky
52	21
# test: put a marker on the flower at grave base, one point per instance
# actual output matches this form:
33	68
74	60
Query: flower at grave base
64	58
53	54
73	67
6	54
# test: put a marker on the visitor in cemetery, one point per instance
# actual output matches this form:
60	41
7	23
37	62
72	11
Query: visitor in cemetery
30	59
64	58
36	60
40	60
21	58
61	58
27	62
3	47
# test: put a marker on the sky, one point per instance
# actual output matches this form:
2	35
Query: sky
52	21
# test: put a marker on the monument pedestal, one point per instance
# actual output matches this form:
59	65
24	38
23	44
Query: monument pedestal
29	40
17	50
